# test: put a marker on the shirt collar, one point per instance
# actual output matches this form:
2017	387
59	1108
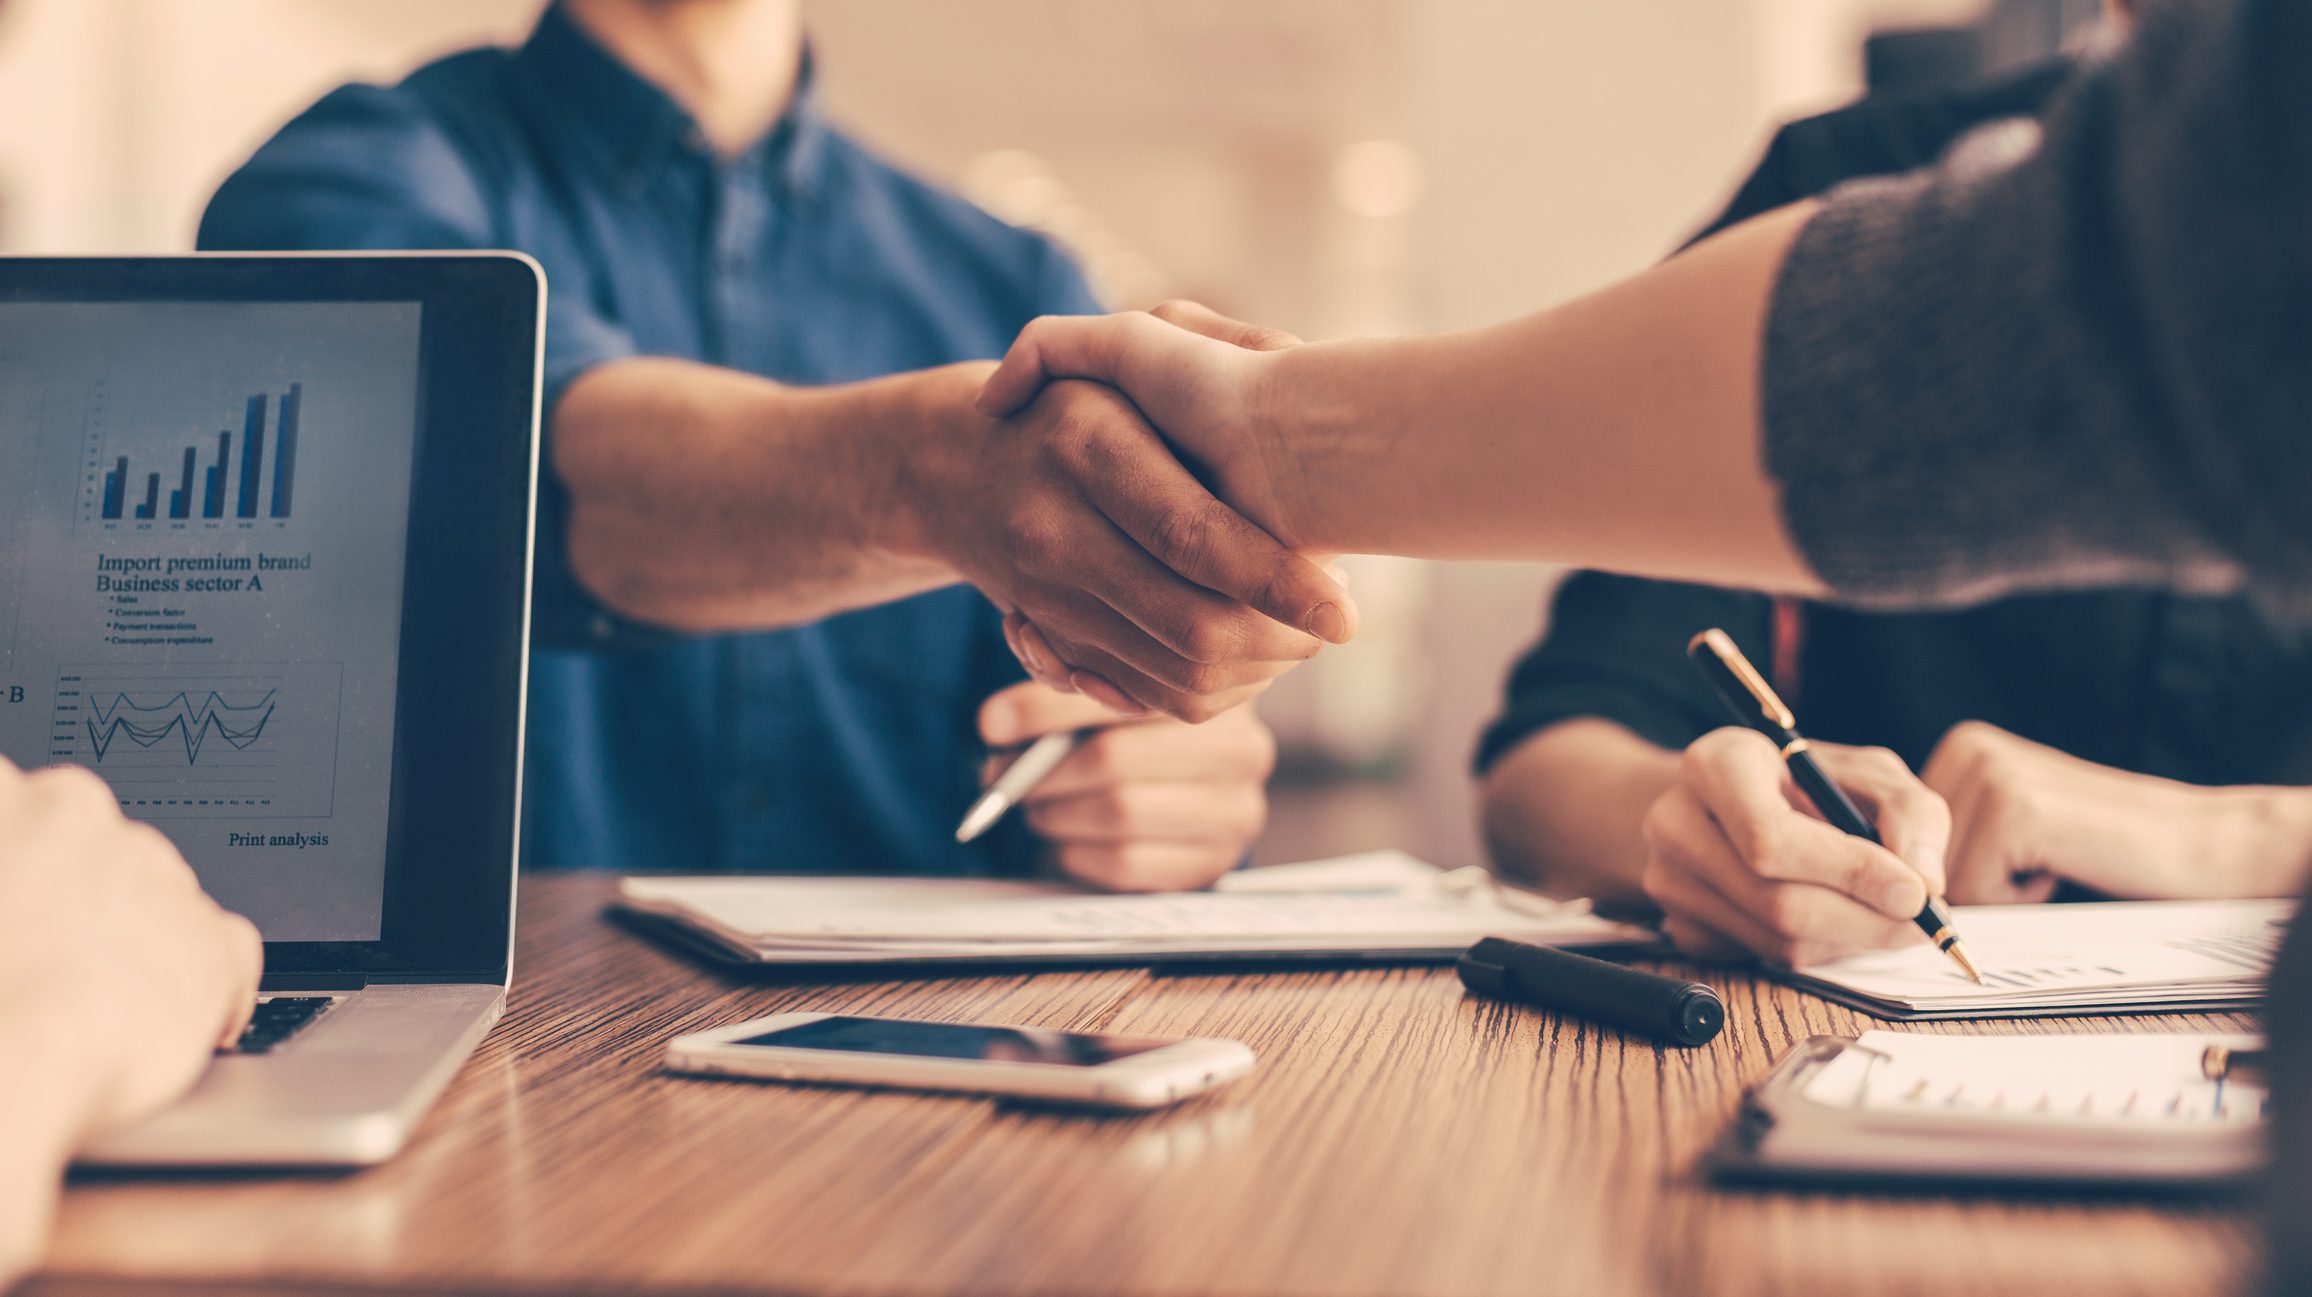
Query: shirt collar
638	128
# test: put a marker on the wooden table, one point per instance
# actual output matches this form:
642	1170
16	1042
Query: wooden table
1397	1139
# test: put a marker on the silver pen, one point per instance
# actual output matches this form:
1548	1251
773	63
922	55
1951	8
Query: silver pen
1018	779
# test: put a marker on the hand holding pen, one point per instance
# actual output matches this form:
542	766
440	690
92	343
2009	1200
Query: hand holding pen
1739	863
1127	804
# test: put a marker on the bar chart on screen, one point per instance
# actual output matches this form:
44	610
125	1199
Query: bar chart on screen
181	465
180	741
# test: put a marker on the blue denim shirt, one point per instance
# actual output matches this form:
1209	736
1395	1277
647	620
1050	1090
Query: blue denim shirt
846	746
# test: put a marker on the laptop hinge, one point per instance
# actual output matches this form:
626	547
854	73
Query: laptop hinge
275	982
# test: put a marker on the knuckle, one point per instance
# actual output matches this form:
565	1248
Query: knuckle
75	789
1657	881
1182	533
1764	845
1034	539
1884	761
1784	911
1205	679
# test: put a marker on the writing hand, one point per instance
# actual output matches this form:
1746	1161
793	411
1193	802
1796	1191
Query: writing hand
1143	806
1739	861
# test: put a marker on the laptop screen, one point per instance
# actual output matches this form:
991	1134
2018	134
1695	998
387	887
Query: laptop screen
204	516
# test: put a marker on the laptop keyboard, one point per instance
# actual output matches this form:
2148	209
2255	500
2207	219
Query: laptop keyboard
277	1019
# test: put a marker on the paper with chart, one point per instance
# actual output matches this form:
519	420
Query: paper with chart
203	517
1378	902
2125	955
2090	1084
2051	1109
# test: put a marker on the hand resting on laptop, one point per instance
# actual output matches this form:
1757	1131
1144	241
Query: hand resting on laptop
118	976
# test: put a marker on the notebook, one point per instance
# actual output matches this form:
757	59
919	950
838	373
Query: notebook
1894	1107
1377	905
2042	960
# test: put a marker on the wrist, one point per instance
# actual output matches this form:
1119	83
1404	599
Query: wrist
45	1118
2276	856
920	460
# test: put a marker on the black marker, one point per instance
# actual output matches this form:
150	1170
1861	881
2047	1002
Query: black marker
1683	1013
1755	704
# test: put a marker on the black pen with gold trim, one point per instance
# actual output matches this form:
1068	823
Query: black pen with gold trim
1755	704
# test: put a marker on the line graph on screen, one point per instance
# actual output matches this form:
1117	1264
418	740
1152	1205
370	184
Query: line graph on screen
178	741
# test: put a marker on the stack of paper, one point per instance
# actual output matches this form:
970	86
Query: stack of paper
1380	903
2037	960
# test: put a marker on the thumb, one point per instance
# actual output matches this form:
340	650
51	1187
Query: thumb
1196	317
1127	351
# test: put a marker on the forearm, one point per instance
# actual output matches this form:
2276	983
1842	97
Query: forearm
2274	856
1564	809
1619	431
37	1132
707	500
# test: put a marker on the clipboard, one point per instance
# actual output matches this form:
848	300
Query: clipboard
1786	1134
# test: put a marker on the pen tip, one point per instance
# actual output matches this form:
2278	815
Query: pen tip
980	818
1959	952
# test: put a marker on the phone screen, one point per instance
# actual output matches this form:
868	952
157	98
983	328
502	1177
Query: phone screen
955	1040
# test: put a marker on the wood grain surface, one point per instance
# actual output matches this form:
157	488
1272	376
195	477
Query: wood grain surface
1397	1139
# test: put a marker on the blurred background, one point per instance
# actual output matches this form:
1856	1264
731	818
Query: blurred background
1327	166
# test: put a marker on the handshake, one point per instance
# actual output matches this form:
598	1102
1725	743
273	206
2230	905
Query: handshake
1127	506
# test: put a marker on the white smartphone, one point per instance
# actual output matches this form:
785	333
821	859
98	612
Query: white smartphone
1024	1062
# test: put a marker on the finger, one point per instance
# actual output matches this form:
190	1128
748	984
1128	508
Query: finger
1037	656
1228	813
1185	529
1196	317
1121	350
1114	652
1144	866
1229	749
1912	819
1112	699
245	955
1028	711
1741	780
1699	942
1788	923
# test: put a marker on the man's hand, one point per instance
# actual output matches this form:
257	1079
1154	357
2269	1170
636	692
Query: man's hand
118	976
1198	376
1189	368
1146	806
1155	595
2026	817
1738	860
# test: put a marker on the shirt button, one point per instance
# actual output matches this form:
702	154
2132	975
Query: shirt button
600	628
757	798
694	139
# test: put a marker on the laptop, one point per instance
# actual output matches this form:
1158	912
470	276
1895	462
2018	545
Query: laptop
265	533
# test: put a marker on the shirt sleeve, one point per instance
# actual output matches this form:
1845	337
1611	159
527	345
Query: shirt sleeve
1616	650
2071	353
370	167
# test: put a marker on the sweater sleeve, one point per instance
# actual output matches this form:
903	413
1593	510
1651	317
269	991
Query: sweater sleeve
2073	352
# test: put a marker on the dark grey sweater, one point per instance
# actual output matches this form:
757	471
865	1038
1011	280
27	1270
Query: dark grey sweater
2082	353
2077	352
